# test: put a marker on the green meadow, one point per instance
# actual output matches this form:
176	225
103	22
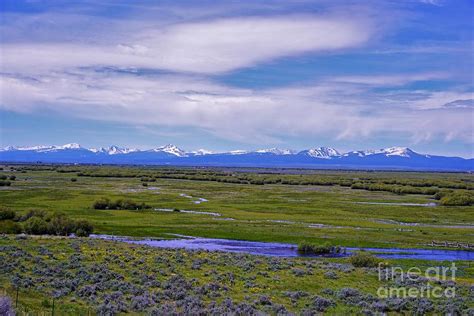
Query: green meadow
85	276
270	212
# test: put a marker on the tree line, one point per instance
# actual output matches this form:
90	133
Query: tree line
37	222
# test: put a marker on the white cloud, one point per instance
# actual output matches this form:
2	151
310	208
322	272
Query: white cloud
201	47
246	115
228	44
439	99
67	76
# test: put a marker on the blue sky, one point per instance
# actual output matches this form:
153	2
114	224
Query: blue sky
238	74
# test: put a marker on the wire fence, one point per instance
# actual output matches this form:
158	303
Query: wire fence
48	307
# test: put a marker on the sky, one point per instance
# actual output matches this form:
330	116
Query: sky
226	75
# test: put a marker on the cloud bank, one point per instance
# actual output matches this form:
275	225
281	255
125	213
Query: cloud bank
163	73
201	47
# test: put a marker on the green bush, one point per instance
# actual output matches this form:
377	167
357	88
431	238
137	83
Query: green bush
6	214
312	249
60	225
457	199
83	228
120	204
73	180
101	204
364	259
440	194
40	223
36	226
10	227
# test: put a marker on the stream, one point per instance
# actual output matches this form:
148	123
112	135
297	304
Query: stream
286	250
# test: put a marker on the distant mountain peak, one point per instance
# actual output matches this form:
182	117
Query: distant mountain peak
69	146
388	152
35	148
398	151
43	148
320	157
322	152
8	148
171	149
202	152
276	151
114	150
238	152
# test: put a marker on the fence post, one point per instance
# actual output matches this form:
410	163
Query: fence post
52	312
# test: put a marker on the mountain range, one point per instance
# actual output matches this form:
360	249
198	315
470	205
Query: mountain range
396	158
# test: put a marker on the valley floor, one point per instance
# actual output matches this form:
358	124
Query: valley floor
86	275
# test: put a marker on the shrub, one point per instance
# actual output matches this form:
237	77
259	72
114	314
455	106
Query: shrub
12	178
83	228
36	226
321	304
73	180
6	214
10	227
6	307
106	204
101	204
40	223
331	275
60	225
458	199
4	183
364	259
307	248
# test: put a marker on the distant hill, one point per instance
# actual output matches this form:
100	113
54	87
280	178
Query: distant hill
399	158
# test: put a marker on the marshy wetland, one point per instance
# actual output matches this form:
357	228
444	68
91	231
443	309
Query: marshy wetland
406	211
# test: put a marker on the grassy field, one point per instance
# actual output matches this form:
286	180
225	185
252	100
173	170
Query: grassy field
85	276
271	212
146	280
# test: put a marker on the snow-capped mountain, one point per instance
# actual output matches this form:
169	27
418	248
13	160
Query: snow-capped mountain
43	148
276	151
319	157
113	150
391	151
238	152
171	149
201	152
398	151
321	152
69	146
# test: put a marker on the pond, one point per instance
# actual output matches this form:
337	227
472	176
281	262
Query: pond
287	250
